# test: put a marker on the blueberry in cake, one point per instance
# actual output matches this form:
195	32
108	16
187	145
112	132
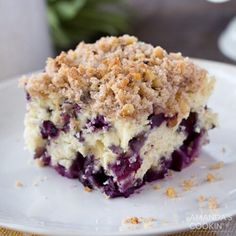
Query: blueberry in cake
117	113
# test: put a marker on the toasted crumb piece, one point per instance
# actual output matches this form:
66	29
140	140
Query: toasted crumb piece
201	198
132	220
217	165
170	192
187	184
170	173
39	162
87	189
212	203
210	177
157	186
19	184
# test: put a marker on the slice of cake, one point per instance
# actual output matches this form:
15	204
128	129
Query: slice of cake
117	113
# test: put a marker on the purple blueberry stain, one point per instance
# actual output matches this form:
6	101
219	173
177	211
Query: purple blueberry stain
155	120
79	136
48	129
66	122
98	123
28	97
137	142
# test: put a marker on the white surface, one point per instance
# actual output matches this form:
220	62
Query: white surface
227	40
24	36
60	206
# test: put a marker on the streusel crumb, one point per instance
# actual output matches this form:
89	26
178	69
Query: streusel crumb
120	73
170	192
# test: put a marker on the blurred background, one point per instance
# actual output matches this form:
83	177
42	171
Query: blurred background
33	30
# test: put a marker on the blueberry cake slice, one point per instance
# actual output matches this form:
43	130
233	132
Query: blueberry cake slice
117	113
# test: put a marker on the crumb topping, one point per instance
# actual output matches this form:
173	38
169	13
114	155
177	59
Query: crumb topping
170	192
121	76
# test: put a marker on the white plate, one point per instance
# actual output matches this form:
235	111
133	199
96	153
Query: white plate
59	206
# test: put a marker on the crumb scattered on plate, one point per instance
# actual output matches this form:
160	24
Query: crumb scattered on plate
39	162
201	198
19	184
217	165
87	189
132	220
210	177
170	192
157	186
212	203
146	222
187	184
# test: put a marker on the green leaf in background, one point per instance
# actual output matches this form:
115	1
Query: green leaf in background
74	20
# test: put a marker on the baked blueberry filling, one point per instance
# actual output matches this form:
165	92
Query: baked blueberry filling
97	123
48	129
155	120
121	181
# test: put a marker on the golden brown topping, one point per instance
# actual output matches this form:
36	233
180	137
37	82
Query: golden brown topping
121	76
127	110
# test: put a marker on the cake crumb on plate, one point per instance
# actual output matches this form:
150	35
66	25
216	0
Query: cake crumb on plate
170	192
217	165
210	177
201	198
87	189
19	184
157	186
132	220
187	184
212	203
